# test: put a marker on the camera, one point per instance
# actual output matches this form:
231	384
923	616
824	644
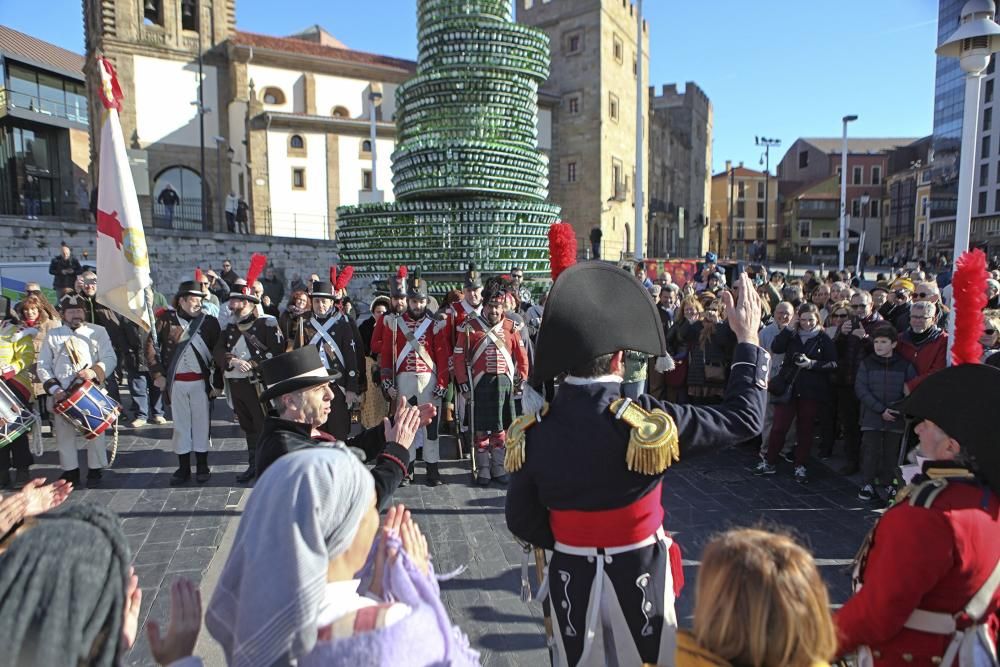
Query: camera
800	358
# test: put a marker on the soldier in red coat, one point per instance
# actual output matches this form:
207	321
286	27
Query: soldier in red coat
489	362
397	304
414	363
930	568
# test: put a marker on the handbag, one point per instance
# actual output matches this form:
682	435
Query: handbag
781	385
715	373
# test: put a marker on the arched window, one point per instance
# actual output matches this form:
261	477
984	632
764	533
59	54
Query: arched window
366	146
272	95
296	141
340	112
182	209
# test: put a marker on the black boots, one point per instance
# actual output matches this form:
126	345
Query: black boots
433	475
203	473
71	476
93	477
183	473
251	471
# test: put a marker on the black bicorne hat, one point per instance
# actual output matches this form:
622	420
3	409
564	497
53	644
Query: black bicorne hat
241	290
293	371
950	398
71	300
416	287
322	290
190	288
473	279
592	310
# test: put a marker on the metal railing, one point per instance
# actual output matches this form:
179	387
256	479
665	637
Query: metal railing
184	216
10	99
295	225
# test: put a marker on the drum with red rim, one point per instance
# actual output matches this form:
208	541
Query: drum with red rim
88	408
15	418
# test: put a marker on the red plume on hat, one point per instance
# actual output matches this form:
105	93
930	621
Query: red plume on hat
562	247
969	294
345	278
403	272
199	277
333	276
257	264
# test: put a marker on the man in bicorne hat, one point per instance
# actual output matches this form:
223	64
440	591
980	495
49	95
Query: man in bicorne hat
300	388
414	364
336	337
587	470
489	362
245	343
930	567
185	370
77	349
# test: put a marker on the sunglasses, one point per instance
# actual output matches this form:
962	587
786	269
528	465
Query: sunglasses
990	332
923	295
517	275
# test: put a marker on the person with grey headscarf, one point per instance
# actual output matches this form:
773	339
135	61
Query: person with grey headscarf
288	592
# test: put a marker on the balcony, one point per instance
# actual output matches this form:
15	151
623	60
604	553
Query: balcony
621	192
37	108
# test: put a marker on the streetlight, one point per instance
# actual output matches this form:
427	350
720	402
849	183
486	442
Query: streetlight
843	192
640	143
974	43
864	225
219	143
766	161
375	100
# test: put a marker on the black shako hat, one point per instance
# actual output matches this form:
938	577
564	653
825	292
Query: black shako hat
594	309
497	288
293	371
322	290
949	398
473	279
190	288
416	287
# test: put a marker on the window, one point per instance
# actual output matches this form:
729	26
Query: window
635	67
982	202
189	14
613	106
760	190
741	209
298	178
926	177
151	12
741	189
618	49
984	149
573	103
987	119
573	42
760	209
805	229
528	4
988	94
856	208
876	175
366	180
996	201
272	95
740	230
366	146
873	207
923	206
340	112
856	175
984	175
296	141
571	172
185	215
803	159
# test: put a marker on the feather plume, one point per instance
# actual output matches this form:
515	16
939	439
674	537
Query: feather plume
562	247
969	297
345	278
257	264
333	276
403	272
199	277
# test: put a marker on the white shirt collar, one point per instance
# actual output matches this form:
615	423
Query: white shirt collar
572	379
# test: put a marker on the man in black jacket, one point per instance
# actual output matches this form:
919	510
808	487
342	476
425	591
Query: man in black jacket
299	387
64	269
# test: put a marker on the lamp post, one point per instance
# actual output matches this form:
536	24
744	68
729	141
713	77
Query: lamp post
639	139
843	193
220	197
375	100
974	43
767	143
865	199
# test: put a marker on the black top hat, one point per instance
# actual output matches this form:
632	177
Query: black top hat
416	287
949	398
322	290
293	371
71	300
584	315
473	279
241	290
190	288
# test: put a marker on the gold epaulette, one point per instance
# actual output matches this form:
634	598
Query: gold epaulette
514	459
653	445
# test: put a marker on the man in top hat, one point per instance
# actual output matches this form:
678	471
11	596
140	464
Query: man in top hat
75	350
414	364
185	370
246	341
930	567
300	389
489	362
587	470
336	337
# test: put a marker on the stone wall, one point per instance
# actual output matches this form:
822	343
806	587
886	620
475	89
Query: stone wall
173	255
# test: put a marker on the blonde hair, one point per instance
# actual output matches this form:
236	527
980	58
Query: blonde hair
991	318
760	601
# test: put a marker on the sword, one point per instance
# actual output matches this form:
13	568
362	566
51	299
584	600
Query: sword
540	565
471	403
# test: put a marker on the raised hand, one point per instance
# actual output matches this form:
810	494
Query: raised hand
184	625
42	497
744	313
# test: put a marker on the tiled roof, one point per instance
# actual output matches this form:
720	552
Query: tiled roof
292	45
317	34
31	50
860	144
742	171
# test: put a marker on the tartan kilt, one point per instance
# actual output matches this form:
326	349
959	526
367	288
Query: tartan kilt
494	405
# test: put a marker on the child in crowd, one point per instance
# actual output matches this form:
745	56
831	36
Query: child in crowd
880	384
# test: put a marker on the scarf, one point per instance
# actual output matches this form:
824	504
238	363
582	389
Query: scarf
304	511
62	589
919	338
806	336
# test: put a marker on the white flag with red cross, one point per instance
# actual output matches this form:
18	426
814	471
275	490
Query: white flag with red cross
122	261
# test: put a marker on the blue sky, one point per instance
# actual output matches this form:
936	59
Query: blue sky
777	68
